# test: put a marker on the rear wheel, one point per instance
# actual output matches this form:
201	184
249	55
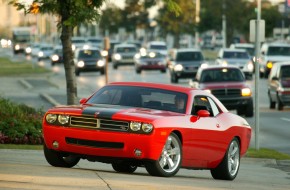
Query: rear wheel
229	167
174	78
272	103
56	159
124	167
170	159
280	104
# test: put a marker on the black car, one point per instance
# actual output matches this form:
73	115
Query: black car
184	63
57	55
87	60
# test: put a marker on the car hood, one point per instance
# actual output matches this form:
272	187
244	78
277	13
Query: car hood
285	83
114	112
237	61
222	85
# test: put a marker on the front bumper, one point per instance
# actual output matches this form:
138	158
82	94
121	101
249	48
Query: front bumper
102	143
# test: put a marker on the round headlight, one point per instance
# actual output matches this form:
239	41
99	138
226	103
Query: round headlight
117	56
101	63
63	119
178	67
81	64
55	58
147	128
40	54
135	126
51	118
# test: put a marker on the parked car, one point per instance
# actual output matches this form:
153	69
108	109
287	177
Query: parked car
237	57
57	55
229	85
123	54
272	53
150	61
279	85
138	124
89	60
45	51
184	63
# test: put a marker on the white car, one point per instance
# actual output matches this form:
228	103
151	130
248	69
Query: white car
45	51
272	53
236	57
154	46
123	54
247	46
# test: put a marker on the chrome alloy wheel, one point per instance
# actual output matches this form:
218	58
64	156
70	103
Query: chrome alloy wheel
170	157
233	158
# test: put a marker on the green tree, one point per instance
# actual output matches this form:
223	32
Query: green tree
184	23
111	19
71	13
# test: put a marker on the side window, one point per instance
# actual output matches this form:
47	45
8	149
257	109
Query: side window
214	108
204	103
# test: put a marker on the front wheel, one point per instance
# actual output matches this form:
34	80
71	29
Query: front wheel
229	167
56	159
169	162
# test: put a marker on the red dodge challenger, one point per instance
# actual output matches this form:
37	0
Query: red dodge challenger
157	126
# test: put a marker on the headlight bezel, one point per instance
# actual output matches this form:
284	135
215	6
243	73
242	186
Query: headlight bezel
141	127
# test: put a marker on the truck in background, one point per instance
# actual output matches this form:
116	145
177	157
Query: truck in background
21	37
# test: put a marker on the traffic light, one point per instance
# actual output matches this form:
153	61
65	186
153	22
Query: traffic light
34	8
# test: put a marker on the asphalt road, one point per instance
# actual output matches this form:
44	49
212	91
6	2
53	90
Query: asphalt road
28	169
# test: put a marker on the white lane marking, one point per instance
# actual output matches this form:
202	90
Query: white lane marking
285	119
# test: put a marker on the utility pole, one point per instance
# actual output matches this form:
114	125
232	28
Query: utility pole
224	25
257	75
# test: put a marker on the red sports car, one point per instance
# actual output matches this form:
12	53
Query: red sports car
157	126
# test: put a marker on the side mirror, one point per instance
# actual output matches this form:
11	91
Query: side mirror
83	100
203	113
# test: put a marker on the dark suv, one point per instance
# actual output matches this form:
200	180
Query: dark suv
279	85
184	63
229	85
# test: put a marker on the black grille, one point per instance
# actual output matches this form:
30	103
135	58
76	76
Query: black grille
226	92
104	124
96	144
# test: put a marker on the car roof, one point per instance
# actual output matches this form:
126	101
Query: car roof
188	50
233	50
125	45
157	43
220	67
277	44
155	85
282	63
243	45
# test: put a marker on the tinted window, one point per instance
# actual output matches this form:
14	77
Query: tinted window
279	51
161	47
189	56
89	54
126	49
222	75
236	55
285	71
204	103
140	97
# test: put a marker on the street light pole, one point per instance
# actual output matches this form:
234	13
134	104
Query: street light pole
257	75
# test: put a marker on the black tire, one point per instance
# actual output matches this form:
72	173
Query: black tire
240	111
280	104
56	159
102	71
138	71
249	112
272	103
115	66
174	78
124	167
229	167
163	71
78	73
171	153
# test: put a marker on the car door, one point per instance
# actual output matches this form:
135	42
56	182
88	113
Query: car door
204	144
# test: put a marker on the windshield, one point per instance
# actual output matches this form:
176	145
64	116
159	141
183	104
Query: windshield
159	47
189	56
89	54
143	97
279	51
126	49
235	55
222	75
285	71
